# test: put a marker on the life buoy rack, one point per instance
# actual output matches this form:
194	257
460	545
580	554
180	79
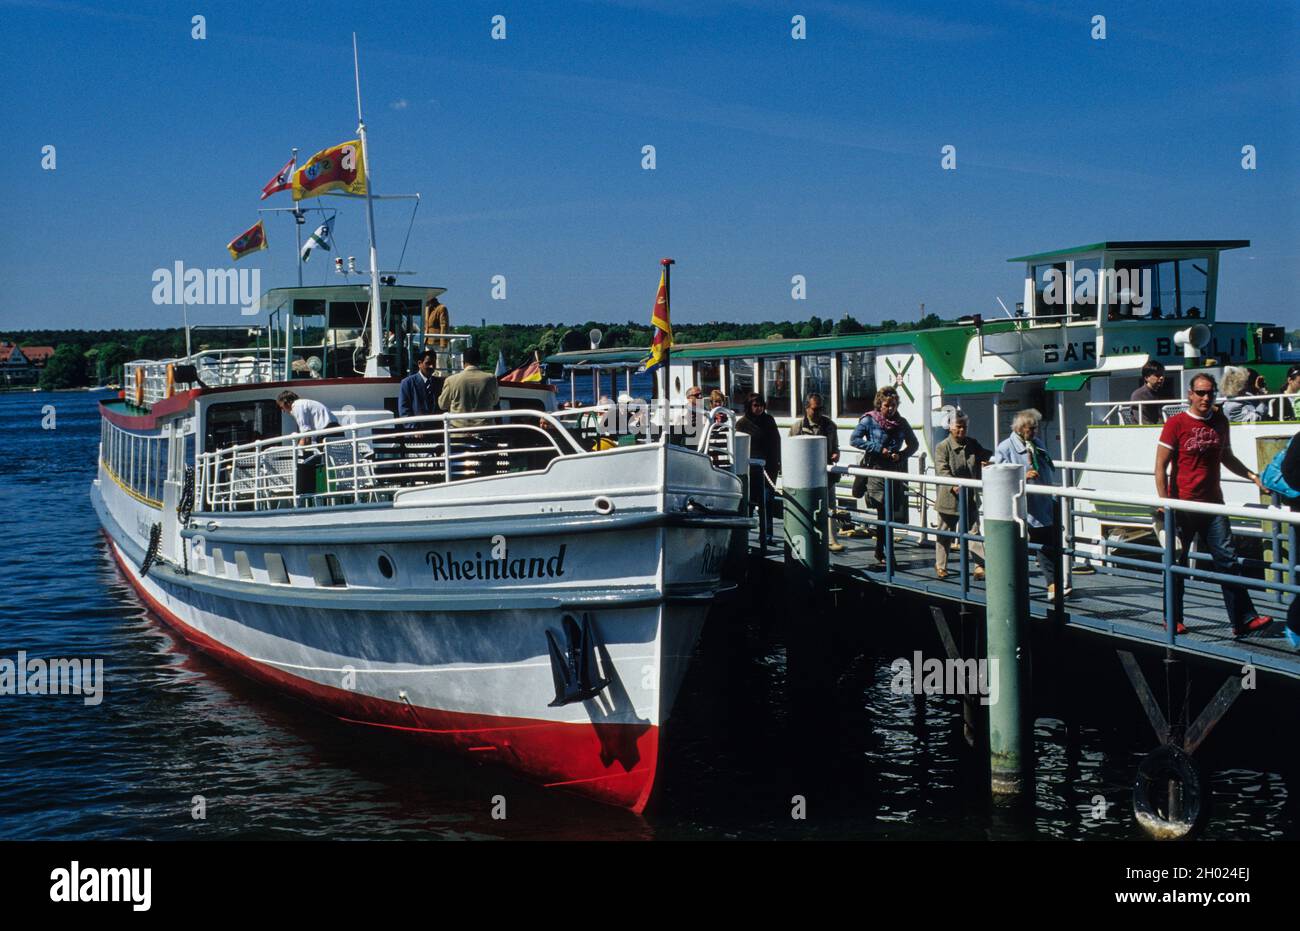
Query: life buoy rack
1158	768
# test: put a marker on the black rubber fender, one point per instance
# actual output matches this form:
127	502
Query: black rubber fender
1151	783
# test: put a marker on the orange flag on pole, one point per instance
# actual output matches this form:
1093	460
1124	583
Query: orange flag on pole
659	319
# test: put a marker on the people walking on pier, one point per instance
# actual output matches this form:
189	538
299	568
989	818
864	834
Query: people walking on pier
958	455
814	422
765	444
1193	446
1288	490
886	441
1022	448
1151	390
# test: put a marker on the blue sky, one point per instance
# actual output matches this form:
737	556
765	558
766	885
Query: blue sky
775	157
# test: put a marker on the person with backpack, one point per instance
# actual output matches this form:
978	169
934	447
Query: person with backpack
1282	477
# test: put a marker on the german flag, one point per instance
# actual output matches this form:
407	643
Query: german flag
532	371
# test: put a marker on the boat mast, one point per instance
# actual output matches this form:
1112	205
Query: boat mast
373	368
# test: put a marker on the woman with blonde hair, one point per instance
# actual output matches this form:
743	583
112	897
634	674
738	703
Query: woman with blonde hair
886	441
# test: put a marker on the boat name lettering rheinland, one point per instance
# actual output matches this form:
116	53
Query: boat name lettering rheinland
58	676
80	883
448	568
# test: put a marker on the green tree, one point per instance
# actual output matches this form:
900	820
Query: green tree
848	325
65	369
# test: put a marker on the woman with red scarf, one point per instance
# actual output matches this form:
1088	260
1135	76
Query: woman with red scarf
886	441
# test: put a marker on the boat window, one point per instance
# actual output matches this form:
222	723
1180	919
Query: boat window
238	422
776	387
814	375
707	375
1156	288
1083	305
740	380
1051	285
857	382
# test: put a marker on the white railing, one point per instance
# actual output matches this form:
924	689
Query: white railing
145	381
1275	407
1165	562
372	454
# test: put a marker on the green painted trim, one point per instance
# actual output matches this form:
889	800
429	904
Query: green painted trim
1068	381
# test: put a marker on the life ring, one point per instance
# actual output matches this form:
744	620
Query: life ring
171	381
139	387
1154	774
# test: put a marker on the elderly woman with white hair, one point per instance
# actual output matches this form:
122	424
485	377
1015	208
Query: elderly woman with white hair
1022	448
1236	388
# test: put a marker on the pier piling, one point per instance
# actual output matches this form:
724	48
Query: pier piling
804	483
1006	547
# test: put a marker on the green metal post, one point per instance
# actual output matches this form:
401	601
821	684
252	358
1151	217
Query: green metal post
1007	614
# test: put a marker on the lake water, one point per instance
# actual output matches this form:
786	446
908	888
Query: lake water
743	741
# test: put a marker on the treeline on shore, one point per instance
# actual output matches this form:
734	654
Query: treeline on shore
95	357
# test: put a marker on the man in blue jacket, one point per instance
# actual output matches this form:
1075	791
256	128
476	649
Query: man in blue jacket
418	394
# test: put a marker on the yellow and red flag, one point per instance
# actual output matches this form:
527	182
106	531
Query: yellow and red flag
663	338
532	371
338	168
249	241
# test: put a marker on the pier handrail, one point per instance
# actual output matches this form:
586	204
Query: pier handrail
1255	513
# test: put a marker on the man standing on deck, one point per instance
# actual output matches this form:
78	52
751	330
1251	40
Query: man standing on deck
1151	389
469	390
1193	446
418	394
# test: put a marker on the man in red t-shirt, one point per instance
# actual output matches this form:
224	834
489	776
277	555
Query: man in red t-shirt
1193	446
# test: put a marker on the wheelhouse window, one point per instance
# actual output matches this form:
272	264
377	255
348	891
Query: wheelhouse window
1084	287
1051	291
857	382
776	386
1159	288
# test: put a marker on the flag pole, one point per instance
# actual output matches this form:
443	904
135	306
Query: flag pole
373	369
663	385
297	224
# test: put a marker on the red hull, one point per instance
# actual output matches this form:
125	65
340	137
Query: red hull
611	763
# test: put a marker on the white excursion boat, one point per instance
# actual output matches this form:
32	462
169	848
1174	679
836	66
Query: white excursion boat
508	586
511	584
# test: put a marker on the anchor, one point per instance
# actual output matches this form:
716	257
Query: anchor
1168	790
573	666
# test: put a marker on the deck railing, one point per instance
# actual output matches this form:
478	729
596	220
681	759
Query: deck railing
1273	408
372	455
215	367
1162	562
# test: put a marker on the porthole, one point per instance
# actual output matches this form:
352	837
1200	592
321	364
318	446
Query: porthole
385	566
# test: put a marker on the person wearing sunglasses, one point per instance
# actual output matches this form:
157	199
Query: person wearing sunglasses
1193	448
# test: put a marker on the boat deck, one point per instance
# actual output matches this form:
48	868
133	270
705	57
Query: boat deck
1118	603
